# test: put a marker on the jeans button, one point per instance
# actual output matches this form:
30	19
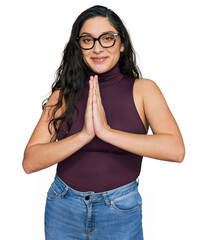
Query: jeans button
87	197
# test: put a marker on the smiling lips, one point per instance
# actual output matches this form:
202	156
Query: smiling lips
99	59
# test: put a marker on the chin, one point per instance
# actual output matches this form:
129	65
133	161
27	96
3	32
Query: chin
99	68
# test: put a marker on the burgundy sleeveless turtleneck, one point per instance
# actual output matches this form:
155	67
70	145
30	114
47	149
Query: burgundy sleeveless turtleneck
99	166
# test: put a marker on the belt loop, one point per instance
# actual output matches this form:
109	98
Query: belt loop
106	199
64	192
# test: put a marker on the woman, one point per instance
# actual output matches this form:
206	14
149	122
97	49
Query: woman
99	111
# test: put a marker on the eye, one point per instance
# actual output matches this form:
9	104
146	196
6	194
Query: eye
107	37
86	39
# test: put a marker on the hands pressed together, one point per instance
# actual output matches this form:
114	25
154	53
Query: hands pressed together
95	118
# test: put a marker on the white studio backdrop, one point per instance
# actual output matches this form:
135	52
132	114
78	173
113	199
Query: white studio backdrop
170	40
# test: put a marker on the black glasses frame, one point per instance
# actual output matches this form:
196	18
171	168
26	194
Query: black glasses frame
97	39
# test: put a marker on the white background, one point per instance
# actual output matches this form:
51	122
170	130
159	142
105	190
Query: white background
170	39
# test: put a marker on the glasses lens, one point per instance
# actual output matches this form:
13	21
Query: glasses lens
107	40
86	42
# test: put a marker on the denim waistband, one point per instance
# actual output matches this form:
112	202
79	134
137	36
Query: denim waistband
91	196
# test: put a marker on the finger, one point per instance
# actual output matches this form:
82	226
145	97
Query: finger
90	95
97	84
94	100
97	88
93	88
91	85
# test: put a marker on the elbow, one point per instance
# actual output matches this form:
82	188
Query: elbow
27	169
26	163
180	155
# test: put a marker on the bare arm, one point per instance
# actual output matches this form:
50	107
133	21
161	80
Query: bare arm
166	143
40	153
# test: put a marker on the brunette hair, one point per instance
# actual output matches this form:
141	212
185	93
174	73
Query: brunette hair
72	72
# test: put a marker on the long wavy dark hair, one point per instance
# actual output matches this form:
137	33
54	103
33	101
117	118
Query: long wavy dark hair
72	72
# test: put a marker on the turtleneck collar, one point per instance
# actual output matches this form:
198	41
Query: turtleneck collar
106	78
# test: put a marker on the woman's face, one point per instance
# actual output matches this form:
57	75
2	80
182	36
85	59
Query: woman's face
100	59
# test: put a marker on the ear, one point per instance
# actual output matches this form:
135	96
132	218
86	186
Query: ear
122	47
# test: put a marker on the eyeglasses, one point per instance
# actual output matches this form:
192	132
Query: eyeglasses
106	40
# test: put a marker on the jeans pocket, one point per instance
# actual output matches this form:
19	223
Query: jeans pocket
128	203
54	192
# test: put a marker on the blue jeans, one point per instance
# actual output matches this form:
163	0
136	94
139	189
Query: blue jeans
110	215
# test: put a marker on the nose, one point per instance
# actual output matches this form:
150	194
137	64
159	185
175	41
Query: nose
97	47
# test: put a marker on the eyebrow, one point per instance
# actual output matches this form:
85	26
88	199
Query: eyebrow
85	33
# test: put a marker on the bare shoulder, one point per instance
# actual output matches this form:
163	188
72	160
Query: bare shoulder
151	103
148	89
52	101
146	84
156	109
41	133
143	87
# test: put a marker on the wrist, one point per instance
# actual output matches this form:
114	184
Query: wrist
85	137
106	134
